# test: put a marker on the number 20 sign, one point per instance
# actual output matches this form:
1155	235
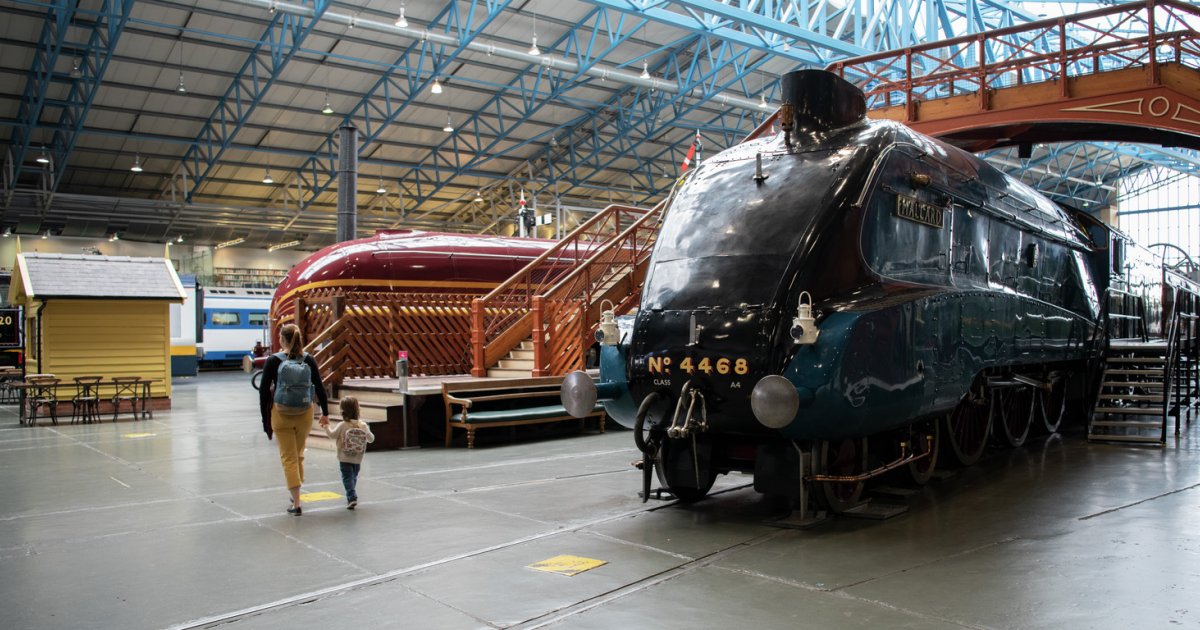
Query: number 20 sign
10	328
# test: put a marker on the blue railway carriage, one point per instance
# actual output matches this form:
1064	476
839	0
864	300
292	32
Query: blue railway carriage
234	321
847	298
185	318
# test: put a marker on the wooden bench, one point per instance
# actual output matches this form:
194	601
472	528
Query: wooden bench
506	402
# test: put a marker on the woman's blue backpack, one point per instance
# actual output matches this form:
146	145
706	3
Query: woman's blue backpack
293	385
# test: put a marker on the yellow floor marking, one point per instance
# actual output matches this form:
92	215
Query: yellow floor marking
567	565
319	496
139	435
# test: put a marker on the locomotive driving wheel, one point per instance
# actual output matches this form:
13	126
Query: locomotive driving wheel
1013	415
843	458
1052	405
966	431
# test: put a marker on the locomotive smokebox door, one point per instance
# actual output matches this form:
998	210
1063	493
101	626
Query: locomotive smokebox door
822	100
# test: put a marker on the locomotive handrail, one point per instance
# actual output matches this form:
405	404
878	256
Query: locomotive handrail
501	319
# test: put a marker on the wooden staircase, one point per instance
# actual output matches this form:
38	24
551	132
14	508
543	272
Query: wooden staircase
541	321
518	363
1135	392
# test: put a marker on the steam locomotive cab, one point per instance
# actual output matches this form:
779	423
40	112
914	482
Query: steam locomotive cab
839	299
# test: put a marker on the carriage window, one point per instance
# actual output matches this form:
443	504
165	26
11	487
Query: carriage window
257	320
225	319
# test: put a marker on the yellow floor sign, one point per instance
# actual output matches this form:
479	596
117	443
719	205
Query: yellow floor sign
567	565
311	497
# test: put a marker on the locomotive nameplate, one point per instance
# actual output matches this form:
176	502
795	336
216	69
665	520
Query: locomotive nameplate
920	212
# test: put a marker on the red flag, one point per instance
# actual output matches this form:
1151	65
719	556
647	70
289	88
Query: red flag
687	161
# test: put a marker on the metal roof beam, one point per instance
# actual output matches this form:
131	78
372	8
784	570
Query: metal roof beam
277	46
37	83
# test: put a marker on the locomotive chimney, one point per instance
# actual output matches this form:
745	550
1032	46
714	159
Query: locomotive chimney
819	101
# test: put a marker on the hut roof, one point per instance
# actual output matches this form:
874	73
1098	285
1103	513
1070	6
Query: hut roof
100	277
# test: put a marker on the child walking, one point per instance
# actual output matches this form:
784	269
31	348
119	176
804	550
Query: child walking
352	436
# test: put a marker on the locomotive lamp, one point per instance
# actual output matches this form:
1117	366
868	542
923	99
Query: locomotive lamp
608	334
804	328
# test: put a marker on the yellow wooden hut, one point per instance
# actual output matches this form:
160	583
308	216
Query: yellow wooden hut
104	316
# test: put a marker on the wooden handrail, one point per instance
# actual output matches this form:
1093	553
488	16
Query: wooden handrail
500	319
569	239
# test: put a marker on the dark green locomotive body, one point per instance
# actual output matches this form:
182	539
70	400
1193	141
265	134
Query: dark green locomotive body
926	266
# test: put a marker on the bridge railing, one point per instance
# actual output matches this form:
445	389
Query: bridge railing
1144	34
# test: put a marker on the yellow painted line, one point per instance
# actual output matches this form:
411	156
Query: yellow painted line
567	565
139	435
319	496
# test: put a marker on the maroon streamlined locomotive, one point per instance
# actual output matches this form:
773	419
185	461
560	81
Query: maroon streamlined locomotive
406	261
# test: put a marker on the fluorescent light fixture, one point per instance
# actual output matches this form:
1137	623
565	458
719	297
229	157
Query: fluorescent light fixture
42	158
645	70
137	164
437	86
449	128
267	178
230	243
283	245
401	21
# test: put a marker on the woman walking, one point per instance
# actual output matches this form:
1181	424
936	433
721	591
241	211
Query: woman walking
289	381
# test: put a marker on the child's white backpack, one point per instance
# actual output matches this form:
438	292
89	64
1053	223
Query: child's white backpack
354	442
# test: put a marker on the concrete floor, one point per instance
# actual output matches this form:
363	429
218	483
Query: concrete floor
179	522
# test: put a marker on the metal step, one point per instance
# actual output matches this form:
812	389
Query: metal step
1132	425
1136	360
1143	385
1142	397
1124	438
1158	372
1133	411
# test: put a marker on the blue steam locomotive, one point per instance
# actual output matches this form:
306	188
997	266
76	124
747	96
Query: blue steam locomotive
848	298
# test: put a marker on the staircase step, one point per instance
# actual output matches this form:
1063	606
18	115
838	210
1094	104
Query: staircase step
509	373
1144	397
1124	438
515	364
1158	372
1136	411
521	355
1135	360
1142	385
1133	425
